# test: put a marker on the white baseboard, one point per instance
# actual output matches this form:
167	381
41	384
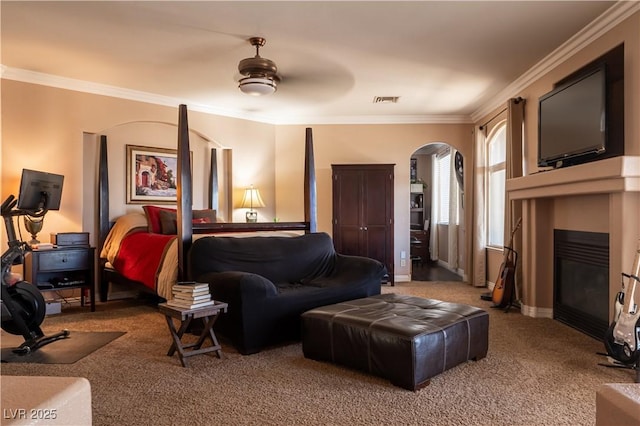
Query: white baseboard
402	278
529	311
535	312
460	272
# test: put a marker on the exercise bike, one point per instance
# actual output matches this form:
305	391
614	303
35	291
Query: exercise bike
23	306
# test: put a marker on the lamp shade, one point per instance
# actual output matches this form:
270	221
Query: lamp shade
257	86
251	199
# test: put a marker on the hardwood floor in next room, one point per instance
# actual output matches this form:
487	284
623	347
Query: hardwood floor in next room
432	273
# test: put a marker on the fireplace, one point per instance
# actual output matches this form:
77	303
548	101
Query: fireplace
581	280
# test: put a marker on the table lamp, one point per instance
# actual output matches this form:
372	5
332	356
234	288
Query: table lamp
250	200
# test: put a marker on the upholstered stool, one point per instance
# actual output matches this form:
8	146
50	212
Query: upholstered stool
405	339
40	400
618	404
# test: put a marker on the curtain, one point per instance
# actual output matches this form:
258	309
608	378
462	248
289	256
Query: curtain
433	223
514	159
454	194
479	265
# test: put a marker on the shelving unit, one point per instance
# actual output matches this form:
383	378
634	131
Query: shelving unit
420	210
416	218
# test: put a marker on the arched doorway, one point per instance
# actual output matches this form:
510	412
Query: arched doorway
437	214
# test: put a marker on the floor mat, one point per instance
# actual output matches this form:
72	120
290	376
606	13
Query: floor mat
64	351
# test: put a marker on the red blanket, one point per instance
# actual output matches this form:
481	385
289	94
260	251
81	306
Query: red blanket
140	256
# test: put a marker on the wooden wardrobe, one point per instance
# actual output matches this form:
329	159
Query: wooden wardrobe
363	211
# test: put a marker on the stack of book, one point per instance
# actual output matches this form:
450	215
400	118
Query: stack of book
190	295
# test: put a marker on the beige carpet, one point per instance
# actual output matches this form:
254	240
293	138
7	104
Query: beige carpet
537	372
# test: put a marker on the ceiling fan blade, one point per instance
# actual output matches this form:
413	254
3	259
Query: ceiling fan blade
320	81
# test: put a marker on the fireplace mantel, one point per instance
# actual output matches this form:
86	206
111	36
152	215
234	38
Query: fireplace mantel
617	174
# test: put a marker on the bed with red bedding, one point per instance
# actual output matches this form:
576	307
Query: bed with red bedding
148	257
137	255
143	251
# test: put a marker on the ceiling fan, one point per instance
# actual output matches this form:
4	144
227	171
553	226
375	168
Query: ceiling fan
259	74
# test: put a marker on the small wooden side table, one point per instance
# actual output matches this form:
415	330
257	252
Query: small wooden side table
208	315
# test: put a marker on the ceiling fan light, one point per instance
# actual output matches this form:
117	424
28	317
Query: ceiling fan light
257	86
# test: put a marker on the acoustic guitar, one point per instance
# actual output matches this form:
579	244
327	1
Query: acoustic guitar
502	294
622	340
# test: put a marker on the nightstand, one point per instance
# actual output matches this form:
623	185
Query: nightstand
62	268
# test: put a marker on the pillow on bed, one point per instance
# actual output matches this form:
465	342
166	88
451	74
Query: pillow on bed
153	217
208	214
168	219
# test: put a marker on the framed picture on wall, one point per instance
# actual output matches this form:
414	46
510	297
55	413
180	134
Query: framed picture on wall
152	175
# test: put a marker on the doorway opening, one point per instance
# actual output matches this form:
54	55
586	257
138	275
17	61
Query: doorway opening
436	214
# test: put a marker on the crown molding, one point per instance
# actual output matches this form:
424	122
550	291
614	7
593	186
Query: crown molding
605	22
612	17
33	77
375	119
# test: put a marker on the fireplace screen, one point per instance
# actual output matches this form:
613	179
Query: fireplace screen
581	281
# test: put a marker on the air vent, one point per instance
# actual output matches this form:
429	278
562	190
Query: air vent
386	99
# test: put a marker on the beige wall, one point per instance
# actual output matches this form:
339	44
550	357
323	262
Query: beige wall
54	130
345	144
585	212
48	129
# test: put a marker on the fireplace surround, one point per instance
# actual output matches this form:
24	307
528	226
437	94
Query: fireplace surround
603	196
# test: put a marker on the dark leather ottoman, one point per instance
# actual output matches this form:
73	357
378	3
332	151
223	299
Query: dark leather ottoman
405	339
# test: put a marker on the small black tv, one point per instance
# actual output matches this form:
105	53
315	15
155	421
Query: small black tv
39	191
572	120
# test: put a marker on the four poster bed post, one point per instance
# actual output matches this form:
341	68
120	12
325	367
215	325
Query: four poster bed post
185	226
185	194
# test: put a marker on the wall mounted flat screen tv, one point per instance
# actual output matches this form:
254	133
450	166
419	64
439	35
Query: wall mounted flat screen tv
40	190
572	120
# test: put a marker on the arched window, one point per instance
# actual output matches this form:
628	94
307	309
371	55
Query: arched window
496	176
